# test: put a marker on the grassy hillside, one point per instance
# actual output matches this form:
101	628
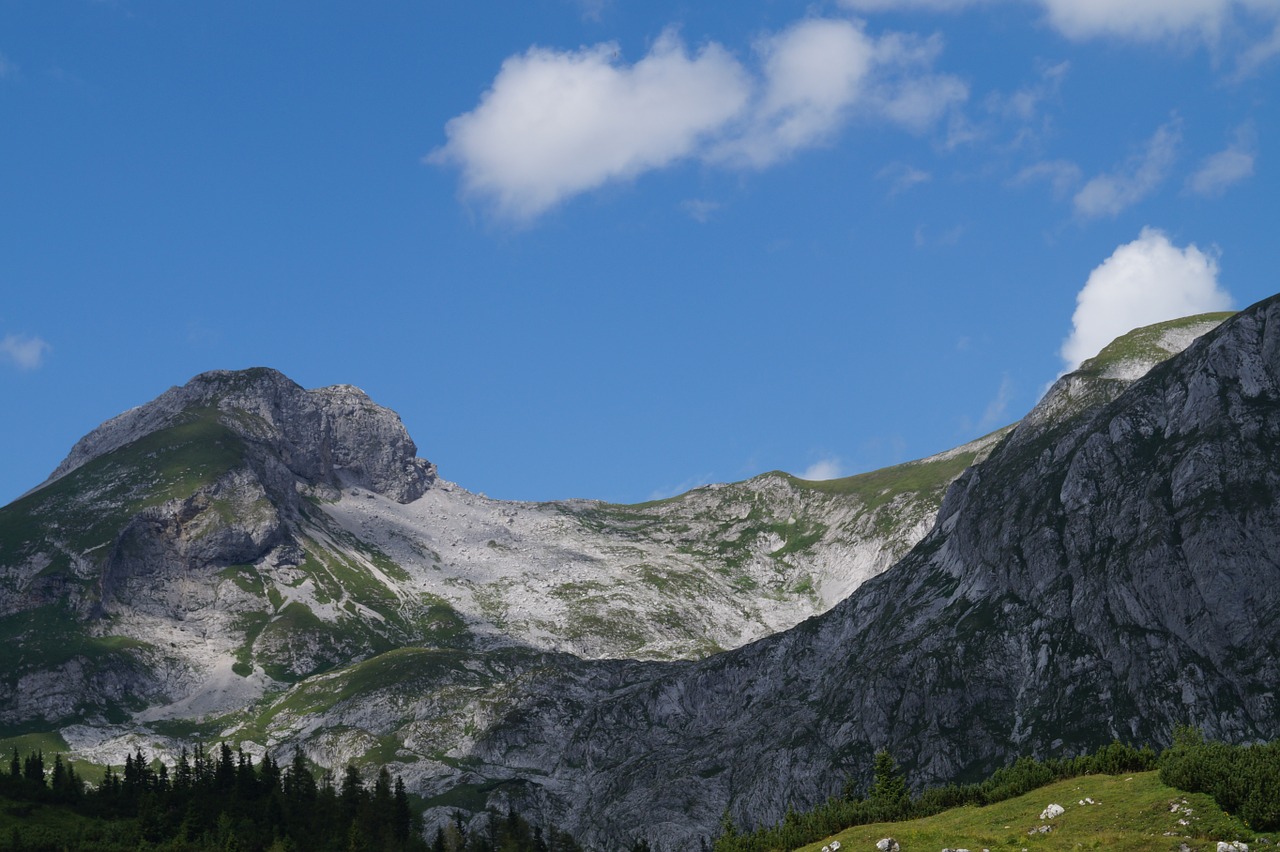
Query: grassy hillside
1133	812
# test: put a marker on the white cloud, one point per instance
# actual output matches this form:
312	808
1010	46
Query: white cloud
820	72
917	102
994	415
700	209
593	10
1140	20
1109	194
906	92
1258	54
1146	281
24	351
1146	20
554	124
1062	175
825	469
1229	166
813	73
902	177
1024	103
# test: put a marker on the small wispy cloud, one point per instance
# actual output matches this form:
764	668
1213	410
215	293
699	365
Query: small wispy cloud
1227	167
1227	27
26	352
1063	176
1024	104
996	409
700	209
681	488
593	10
830	468
1109	194
946	238
902	177
1258	54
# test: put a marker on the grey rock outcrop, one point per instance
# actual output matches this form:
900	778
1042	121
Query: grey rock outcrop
332	436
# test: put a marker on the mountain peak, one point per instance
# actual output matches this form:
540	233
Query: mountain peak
329	436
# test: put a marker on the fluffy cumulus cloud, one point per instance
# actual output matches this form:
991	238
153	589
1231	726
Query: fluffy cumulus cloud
1225	168
813	73
555	124
23	351
1109	194
1146	281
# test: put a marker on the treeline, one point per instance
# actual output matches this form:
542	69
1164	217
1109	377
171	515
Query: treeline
222	800
1243	780
888	800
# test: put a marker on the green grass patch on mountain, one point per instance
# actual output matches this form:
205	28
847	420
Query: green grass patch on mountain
1134	812
51	635
1143	344
396	668
878	487
87	507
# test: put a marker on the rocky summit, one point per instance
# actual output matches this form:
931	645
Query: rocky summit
245	559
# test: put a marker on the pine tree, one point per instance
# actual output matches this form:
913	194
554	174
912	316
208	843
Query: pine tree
183	777
402	819
33	768
58	781
888	795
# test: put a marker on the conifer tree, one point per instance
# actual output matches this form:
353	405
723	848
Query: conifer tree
888	793
33	768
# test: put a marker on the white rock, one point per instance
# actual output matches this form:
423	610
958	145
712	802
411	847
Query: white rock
1052	811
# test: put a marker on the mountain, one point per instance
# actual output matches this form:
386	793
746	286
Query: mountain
248	559
240	534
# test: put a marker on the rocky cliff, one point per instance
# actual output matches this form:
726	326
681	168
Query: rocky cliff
1106	573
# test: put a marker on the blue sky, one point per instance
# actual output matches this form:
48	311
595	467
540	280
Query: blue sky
616	249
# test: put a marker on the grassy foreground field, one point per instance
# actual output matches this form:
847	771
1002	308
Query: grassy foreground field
1133	812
